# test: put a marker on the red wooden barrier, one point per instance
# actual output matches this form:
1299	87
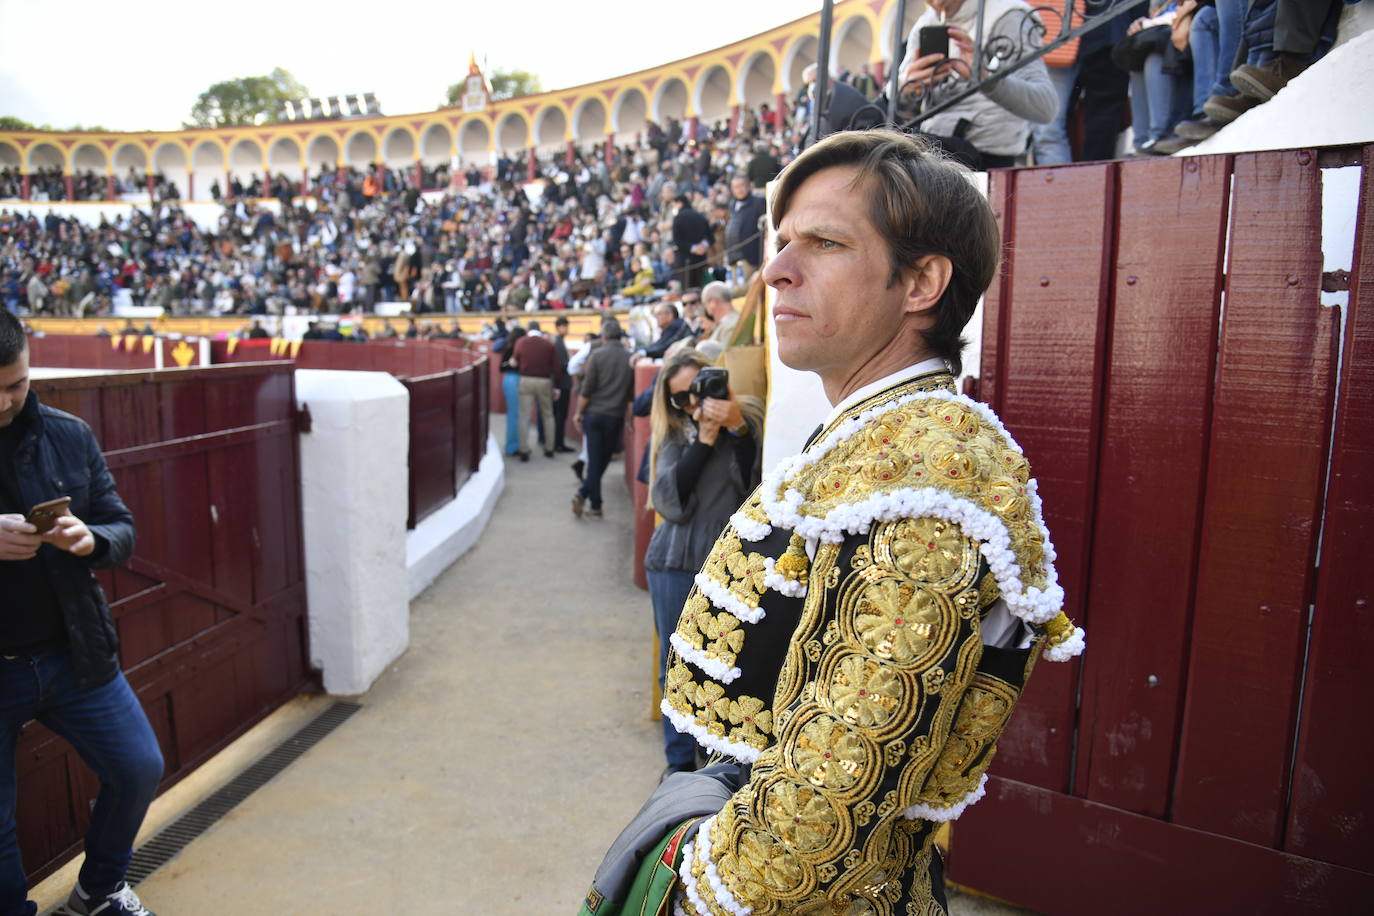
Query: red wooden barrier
1332	792
1215	760
211	608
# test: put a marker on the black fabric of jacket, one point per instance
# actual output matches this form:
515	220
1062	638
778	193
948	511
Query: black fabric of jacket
58	456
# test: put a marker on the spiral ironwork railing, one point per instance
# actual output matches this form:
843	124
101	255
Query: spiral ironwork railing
997	57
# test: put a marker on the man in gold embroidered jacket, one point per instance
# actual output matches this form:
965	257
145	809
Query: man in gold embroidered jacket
864	625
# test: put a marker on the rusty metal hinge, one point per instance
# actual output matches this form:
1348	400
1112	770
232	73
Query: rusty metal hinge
303	419
1336	281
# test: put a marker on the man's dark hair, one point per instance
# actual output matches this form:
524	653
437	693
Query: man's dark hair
561	320
533	325
921	202
12	337
670	309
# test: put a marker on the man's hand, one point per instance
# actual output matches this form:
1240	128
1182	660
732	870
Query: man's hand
577	421
924	71
71	534
18	539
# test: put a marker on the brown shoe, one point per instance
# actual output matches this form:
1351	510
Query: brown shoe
593	513
1226	108
578	501
1263	82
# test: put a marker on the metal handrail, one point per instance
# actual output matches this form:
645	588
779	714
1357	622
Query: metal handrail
990	57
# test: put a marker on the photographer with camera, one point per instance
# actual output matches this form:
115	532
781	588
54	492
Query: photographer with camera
703	462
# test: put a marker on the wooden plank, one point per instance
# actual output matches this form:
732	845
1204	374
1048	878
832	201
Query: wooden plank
1050	358
1332	793
1167	291
996	307
1265	474
1073	857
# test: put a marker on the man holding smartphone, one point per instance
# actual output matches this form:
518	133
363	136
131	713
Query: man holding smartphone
59	660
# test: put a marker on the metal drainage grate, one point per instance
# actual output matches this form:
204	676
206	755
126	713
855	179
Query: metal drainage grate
172	839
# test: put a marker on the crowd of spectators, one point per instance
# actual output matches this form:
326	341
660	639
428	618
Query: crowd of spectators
50	184
666	212
599	231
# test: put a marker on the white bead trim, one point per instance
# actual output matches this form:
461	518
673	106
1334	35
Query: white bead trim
1071	647
684	871
744	753
726	600
925	812
724	898
779	583
748	529
716	668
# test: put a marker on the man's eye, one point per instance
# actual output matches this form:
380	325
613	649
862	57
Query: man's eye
828	244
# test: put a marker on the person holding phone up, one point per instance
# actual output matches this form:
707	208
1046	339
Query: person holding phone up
703	462
59	661
995	122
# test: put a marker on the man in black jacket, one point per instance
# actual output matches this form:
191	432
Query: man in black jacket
59	659
743	237
692	238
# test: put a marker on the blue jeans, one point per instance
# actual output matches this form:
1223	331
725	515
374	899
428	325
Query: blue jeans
510	387
1050	142
602	432
668	589
1205	44
1159	100
107	727
1230	18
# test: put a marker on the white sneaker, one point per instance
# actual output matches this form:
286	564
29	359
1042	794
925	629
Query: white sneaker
121	902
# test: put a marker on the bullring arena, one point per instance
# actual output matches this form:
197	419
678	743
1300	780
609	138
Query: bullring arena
389	670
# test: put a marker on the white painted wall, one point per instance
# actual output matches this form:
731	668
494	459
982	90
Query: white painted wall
353	492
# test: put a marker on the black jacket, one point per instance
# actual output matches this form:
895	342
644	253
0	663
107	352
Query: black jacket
743	237
58	456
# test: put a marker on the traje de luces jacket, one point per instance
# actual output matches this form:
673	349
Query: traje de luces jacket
59	456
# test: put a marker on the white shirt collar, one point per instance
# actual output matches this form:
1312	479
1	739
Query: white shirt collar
934	364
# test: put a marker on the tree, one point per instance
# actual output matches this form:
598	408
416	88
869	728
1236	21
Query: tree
246	100
505	84
10	122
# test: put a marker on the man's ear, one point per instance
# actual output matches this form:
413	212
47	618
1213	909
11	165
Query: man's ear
926	283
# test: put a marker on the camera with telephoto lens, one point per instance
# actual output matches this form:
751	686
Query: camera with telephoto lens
711	383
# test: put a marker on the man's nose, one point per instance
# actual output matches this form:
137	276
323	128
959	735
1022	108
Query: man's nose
778	271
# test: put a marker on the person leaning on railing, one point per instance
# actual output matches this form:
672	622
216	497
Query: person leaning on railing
996	121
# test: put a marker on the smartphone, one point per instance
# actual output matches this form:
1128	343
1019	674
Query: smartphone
45	515
934	39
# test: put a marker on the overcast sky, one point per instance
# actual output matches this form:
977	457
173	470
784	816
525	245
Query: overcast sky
139	65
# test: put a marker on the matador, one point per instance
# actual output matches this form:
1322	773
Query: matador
861	631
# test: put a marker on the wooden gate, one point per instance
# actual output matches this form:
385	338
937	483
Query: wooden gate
1157	344
211	608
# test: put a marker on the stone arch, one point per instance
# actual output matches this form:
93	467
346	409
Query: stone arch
130	156
207	167
670	101
398	148
10	157
436	144
474	140
589	121
46	156
800	54
360	151
853	44
629	114
87	157
756	80
551	128
712	96
284	157
889	33
512	132
170	159
322	150
245	160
